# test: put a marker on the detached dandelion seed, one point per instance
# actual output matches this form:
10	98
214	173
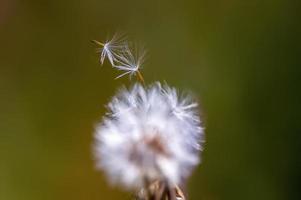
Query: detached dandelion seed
130	62
111	48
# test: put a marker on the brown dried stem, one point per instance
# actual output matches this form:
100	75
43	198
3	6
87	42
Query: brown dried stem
160	190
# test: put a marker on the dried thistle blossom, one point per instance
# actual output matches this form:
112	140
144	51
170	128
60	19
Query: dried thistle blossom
149	134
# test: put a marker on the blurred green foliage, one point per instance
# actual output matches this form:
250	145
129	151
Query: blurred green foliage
241	58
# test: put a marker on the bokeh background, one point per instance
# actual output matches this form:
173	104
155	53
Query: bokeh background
241	58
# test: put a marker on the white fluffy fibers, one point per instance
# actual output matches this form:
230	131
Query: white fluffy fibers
149	134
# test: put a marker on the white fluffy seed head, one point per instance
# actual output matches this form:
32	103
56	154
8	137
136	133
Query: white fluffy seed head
149	134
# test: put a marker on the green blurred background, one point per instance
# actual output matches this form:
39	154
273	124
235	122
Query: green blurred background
241	58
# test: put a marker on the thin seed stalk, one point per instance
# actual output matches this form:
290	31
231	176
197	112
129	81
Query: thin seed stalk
140	77
98	43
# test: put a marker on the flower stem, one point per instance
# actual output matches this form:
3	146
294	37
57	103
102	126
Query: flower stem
160	190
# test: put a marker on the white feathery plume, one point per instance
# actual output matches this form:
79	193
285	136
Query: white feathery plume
122	57
149	134
130	62
111	48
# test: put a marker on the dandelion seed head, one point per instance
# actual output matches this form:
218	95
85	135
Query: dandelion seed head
149	133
